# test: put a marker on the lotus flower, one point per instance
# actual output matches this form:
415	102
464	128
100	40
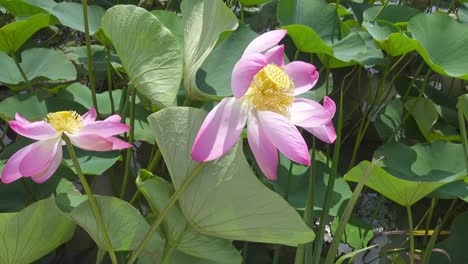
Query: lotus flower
41	159
264	90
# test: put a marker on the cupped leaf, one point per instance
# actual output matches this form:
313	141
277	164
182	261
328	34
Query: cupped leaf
403	192
13	35
214	76
149	52
125	225
442	43
33	232
317	15
225	199
204	21
177	232
37	64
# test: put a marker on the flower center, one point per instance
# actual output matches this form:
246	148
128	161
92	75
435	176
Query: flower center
69	121
271	90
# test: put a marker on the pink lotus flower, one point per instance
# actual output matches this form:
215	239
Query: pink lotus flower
41	159
264	89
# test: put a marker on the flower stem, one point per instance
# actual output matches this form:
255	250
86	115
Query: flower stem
88	54
91	199
309	208
109	80
347	214
461	121
330	186
162	214
131	136
411	233
25	78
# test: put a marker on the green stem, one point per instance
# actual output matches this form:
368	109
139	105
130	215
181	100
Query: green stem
309	208
380	11
109	79
242	12
91	199
411	233
100	256
245	250
162	214
428	250
429	218
461	121
154	161
346	215
92	84
131	136
330	186
25	78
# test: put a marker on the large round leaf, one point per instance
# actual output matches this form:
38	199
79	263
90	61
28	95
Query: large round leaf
71	14
403	192
33	232
442	43
437	161
455	245
149	52
225	199
125	225
176	230
37	64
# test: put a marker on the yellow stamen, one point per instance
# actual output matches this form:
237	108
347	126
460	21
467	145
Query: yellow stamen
271	90
69	121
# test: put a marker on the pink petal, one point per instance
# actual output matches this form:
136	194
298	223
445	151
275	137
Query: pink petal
104	128
39	156
284	136
118	143
96	142
220	130
89	116
329	105
308	113
265	41
40	130
326	133
303	74
275	55
11	170
49	171
264	151
244	71
113	118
